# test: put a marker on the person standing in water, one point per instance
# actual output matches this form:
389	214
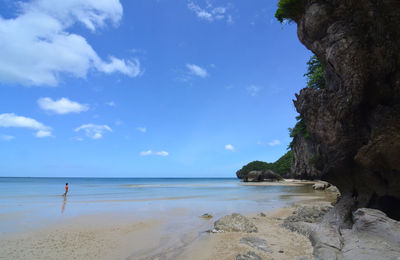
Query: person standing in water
66	189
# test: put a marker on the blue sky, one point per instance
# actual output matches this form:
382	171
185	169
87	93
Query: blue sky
145	88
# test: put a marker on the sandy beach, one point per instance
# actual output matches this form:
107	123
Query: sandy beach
116	236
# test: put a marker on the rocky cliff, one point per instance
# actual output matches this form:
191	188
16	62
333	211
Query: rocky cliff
355	121
308	162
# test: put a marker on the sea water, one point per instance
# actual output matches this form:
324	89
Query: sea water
27	203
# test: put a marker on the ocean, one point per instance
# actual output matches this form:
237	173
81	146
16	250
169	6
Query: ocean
28	203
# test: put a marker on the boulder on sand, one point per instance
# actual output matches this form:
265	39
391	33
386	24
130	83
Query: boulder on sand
234	223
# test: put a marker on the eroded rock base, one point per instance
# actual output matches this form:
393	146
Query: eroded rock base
372	235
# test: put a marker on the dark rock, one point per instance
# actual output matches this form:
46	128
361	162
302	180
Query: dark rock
234	223
281	251
258	176
256	243
248	256
206	216
354	123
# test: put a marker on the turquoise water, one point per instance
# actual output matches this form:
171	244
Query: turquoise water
30	202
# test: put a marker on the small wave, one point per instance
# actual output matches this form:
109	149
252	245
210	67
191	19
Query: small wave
163	185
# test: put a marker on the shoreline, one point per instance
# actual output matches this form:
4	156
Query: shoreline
118	236
285	182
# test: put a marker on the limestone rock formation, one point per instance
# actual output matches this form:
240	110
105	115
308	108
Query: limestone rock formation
372	236
355	121
307	162
234	223
258	176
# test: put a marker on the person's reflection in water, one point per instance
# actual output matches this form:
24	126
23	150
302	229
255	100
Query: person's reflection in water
63	205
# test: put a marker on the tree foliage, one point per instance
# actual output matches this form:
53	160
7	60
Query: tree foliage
281	166
289	10
253	166
300	129
315	74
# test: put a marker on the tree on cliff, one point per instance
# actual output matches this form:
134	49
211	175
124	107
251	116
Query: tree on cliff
315	74
289	10
281	166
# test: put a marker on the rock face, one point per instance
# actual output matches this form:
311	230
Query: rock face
354	123
258	176
234	223
307	162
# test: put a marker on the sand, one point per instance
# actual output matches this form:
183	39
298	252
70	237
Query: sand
107	236
227	245
283	243
84	237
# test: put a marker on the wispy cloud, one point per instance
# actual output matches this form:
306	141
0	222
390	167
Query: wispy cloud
62	106
94	131
211	13
110	104
142	129
229	147
6	137
37	47
274	142
197	70
254	90
150	152
12	120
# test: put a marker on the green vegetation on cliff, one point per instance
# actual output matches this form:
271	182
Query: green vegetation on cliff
315	79
315	74
300	129
281	166
289	10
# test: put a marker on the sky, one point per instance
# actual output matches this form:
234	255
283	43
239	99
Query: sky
145	88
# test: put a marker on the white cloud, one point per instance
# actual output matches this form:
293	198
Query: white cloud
274	142
197	70
211	13
61	106
229	147
43	133
150	152
6	137
94	131
12	120
253	90
37	47
111	104
142	129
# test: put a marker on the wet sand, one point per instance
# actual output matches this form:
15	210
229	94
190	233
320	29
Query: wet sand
173	235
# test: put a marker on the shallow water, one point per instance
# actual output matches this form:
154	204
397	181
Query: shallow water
27	203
